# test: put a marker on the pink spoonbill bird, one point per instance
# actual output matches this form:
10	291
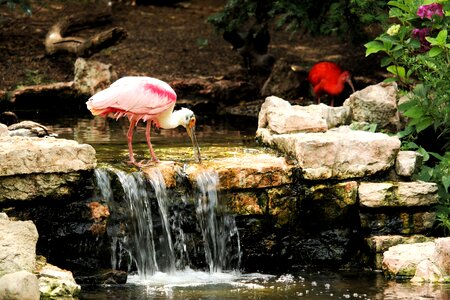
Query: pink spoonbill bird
143	98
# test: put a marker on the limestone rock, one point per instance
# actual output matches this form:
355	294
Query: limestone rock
281	117
21	285
427	271
3	130
17	246
22	155
92	76
408	163
339	153
442	254
56	282
247	171
402	260
376	104
378	244
396	194
32	186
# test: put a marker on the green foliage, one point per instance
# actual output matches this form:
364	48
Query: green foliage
341	17
417	50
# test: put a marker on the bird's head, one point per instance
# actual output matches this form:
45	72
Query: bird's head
347	77
188	120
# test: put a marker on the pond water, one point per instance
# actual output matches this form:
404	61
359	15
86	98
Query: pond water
218	137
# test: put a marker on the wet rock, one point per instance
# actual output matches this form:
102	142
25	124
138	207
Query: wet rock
329	205
377	245
340	153
376	104
328	248
32	186
21	285
104	277
281	117
17	245
398	194
408	163
92	76
396	222
29	129
402	260
56	282
265	170
21	155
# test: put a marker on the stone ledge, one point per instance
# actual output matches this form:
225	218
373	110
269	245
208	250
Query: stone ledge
28	155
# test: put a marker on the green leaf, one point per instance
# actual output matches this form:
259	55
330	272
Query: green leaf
445	182
442	37
397	70
414	112
424	123
399	5
374	47
435	51
425	154
385	61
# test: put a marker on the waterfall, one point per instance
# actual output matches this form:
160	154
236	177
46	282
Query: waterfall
218	228
150	226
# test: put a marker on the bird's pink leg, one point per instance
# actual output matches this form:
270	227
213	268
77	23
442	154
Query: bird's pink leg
147	135
130	141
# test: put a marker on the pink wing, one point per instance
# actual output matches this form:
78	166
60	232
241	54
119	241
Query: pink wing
141	97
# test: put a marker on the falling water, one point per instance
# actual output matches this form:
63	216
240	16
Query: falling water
218	228
159	186
140	224
154	235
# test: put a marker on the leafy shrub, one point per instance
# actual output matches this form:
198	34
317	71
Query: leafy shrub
417	50
345	18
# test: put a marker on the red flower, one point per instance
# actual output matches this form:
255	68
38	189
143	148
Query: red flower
430	10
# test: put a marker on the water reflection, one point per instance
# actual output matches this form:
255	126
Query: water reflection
321	284
217	136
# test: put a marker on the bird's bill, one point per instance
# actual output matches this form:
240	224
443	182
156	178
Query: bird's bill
191	132
350	83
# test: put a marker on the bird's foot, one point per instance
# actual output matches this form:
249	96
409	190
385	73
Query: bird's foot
144	163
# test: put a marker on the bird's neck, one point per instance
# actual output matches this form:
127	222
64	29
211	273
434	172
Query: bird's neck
169	119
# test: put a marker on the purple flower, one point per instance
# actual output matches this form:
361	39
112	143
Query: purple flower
428	11
420	34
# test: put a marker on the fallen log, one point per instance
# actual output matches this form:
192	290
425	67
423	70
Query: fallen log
55	42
